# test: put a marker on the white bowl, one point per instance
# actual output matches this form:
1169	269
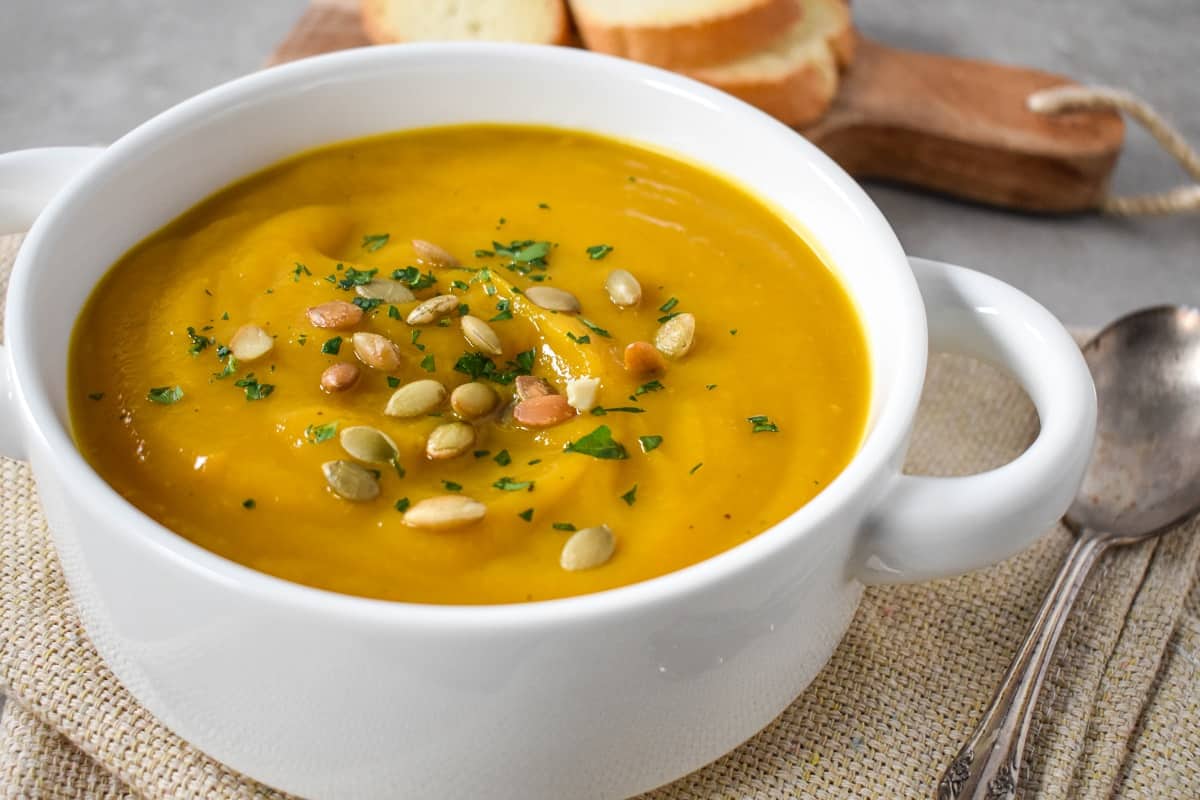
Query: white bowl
602	695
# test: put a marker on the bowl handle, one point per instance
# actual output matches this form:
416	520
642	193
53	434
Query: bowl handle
29	179
926	527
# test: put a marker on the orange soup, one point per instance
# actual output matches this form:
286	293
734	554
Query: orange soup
479	364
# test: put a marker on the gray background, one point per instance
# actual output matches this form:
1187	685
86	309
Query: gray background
85	72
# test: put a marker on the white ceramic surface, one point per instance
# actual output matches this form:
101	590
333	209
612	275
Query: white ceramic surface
600	696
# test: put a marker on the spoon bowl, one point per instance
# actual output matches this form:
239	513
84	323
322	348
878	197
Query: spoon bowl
1144	475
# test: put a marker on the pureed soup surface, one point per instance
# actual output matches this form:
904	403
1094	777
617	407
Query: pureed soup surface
681	458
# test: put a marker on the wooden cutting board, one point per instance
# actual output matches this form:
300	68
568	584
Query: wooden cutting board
949	125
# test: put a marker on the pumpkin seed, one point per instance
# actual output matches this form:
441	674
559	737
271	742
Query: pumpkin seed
444	512
531	386
416	399
250	342
432	309
623	289
552	298
481	335
641	358
351	481
473	400
368	444
430	253
675	336
340	376
377	352
588	548
336	314
581	393
544	411
387	291
449	440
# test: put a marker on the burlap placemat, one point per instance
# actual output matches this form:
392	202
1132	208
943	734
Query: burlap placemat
1120	714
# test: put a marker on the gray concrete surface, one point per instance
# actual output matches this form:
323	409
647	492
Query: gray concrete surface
81	72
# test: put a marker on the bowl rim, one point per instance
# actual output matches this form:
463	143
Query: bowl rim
879	449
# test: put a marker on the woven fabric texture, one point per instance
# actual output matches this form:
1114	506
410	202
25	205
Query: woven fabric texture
1120	715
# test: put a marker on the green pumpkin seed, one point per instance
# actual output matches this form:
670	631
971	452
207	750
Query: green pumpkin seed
351	481
368	444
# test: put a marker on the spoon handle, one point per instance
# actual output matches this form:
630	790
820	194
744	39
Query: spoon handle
988	765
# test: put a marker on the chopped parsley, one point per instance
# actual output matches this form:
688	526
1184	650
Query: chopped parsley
225	315
462	286
477	366
356	277
412	337
302	339
249	504
413	278
504	306
563	526
594	328
300	269
649	443
332	346
373	241
231	363
648	387
484	254
598	444
692	471
199	343
667	317
481	453
760	424
392	381
670	304
316	434
402	504
451	486
526	515
710	386
427	363
507	484
544	205
254	389
96	396
585	339
733	331
600	411
165	395
630	497
393	312
599	251
367	303
463	309
502	458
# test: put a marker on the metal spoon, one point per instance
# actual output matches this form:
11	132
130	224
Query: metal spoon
1143	478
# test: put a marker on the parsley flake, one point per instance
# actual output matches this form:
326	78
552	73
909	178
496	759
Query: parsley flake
249	504
316	434
165	395
394	312
526	515
630	497
402	504
507	484
199	342
670	304
254	389
599	251
373	241
600	411
413	278
451	486
300	269
649	443
760	424
96	396
504	306
502	458
332	346
392	381
427	363
585	339
356	277
594	328
563	526
692	471
598	444
646	388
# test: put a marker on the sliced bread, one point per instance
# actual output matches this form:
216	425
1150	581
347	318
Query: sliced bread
681	33
536	21
795	78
